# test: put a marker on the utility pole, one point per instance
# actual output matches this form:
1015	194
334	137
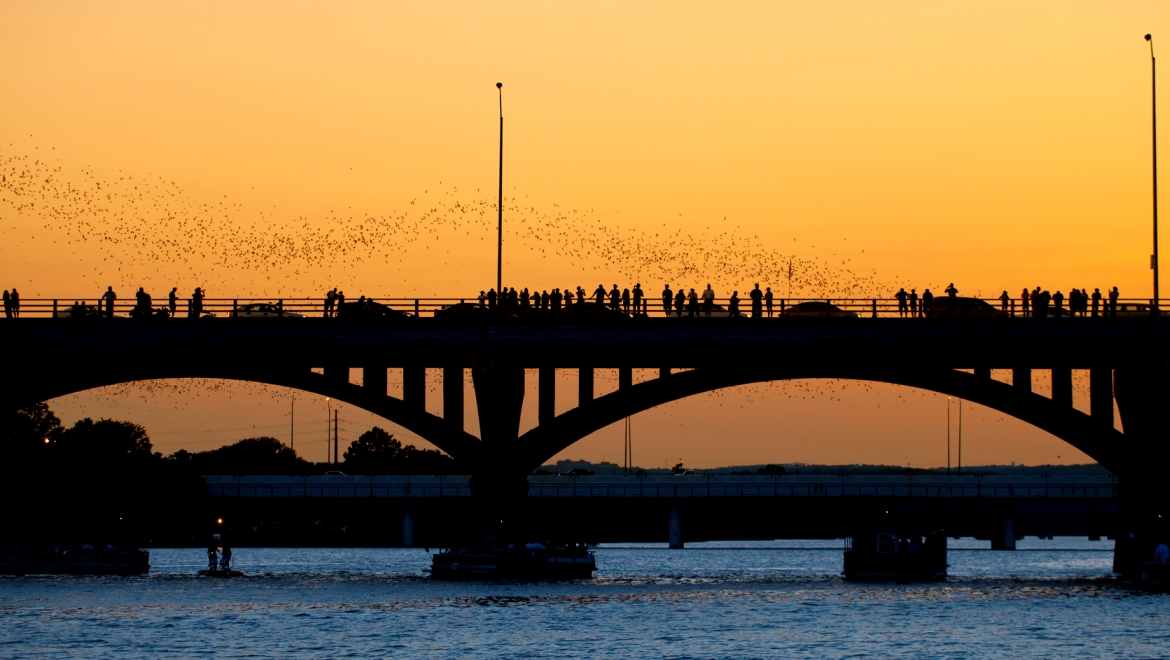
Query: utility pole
1154	138
500	204
960	437
948	435
326	429
292	423
335	437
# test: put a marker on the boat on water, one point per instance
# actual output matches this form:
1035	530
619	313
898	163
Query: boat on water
528	561
895	546
73	560
221	574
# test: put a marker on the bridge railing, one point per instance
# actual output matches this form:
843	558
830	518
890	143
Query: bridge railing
722	308
683	486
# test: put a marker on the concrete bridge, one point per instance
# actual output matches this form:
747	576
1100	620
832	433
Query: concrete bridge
1127	358
431	510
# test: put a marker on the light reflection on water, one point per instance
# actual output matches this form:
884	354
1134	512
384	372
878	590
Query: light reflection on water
1047	599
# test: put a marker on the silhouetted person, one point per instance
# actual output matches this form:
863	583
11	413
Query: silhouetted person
197	302
491	298
554	300
327	303
626	301
599	295
212	560
1040	304
108	298
733	304
1096	302
8	305
913	303
1058	304
693	303
1114	294
1005	301
768	300
615	298
580	296
14	300
757	297
568	300
1024	297
225	560
637	296
951	290
544	300
901	295
173	301
667	299
708	300
680	301
927	302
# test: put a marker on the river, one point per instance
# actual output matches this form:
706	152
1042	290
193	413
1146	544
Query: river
1047	599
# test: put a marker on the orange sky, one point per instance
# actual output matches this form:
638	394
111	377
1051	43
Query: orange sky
997	145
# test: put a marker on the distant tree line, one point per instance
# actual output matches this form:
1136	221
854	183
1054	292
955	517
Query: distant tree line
102	480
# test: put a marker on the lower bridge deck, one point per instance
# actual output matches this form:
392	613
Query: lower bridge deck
1070	487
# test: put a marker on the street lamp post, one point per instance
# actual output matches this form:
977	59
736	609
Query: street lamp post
500	204
1154	138
948	435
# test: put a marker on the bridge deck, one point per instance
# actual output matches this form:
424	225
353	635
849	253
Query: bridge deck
687	486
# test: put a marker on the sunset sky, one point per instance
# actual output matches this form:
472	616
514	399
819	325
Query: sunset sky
994	144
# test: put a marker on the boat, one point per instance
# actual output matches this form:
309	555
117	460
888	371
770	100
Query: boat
895	546
220	574
72	560
529	561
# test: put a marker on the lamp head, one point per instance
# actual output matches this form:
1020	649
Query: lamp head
1149	37
501	85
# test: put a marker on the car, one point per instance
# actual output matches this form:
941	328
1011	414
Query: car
579	472
947	307
1133	310
264	311
817	310
77	311
367	309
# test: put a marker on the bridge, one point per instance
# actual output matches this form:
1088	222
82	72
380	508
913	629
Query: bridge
432	510
1124	353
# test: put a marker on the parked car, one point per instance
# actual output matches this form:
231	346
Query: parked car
947	307
77	311
264	311
1136	310
818	310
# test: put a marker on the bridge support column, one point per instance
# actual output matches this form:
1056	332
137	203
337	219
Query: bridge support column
675	530
407	528
453	396
374	379
664	372
1004	538
1101	396
983	372
584	385
625	377
1022	379
1062	391
414	387
337	375
546	396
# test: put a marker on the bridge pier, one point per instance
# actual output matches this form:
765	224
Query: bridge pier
407	528
374	379
1022	379
1101	396
674	532
414	386
1004	538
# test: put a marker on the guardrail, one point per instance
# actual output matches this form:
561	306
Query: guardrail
686	486
781	308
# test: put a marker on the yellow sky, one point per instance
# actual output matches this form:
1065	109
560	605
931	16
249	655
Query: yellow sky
996	145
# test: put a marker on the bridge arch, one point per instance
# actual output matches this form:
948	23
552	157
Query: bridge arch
457	443
1074	427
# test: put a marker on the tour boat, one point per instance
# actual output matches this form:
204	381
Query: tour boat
895	546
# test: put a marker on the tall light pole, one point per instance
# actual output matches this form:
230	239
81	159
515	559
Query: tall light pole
1154	138
948	435
500	203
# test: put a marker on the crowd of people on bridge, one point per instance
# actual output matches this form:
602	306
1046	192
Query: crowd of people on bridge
628	300
1034	303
